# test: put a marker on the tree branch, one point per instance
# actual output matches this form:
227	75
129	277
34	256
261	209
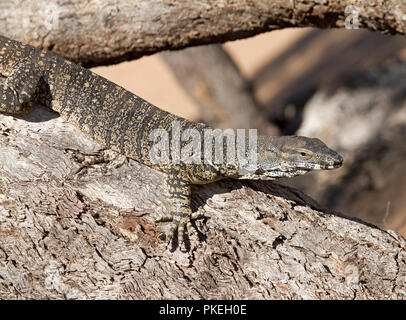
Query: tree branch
105	32
211	78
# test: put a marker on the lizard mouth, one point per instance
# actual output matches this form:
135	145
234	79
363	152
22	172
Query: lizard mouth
334	166
315	167
306	166
326	167
330	163
299	168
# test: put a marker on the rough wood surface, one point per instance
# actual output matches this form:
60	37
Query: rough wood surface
210	77
76	221
107	31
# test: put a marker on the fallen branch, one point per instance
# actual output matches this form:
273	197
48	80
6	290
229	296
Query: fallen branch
211	78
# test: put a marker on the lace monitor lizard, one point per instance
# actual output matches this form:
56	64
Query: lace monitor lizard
123	122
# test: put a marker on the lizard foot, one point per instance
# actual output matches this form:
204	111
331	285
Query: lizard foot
181	223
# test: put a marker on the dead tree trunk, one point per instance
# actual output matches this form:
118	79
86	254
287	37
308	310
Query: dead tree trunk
105	32
76	221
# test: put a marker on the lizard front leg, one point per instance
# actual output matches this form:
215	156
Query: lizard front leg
179	189
20	88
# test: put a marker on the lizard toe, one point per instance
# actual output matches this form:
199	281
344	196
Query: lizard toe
181	232
166	218
181	224
171	233
191	229
197	215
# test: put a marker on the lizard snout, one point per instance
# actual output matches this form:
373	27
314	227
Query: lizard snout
335	160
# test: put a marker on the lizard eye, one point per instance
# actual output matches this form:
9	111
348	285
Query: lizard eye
305	154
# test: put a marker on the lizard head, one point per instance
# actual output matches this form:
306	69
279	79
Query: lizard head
289	156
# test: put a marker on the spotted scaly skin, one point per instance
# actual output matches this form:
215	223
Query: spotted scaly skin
123	122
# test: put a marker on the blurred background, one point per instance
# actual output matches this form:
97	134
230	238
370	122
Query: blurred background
346	87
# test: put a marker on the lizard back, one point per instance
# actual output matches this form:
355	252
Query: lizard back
103	110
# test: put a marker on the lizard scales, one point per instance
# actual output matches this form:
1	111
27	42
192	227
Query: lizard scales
122	121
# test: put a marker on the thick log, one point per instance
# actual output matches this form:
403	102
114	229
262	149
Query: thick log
77	221
104	32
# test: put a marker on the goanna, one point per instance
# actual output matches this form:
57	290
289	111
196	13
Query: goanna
124	122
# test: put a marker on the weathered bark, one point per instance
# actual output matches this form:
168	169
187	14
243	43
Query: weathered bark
104	31
76	221
211	78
